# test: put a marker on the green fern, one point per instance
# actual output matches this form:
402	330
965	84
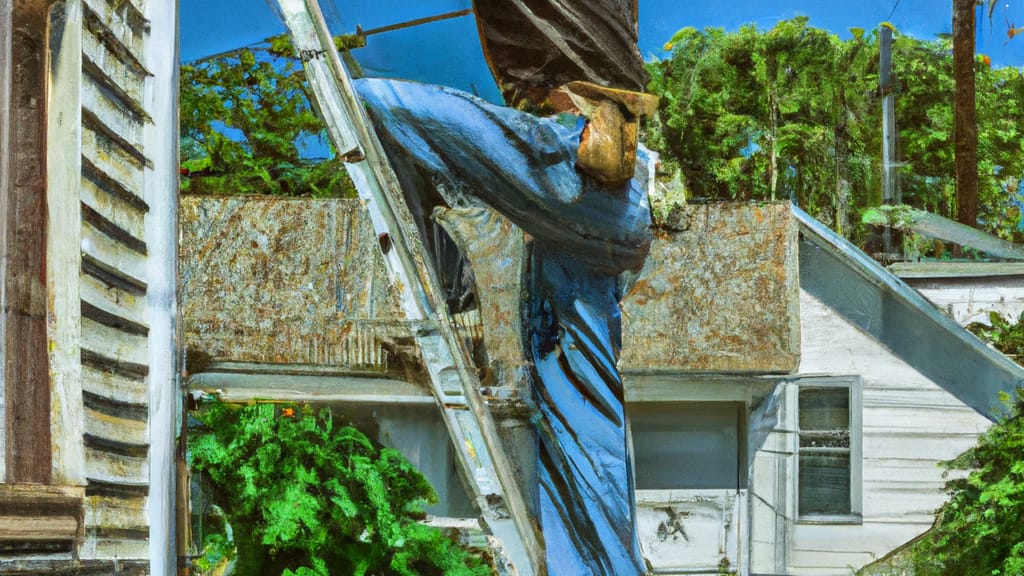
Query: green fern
307	498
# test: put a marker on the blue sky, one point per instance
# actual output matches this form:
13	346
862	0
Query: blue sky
448	52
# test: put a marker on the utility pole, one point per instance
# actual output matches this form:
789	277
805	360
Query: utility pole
890	188
965	123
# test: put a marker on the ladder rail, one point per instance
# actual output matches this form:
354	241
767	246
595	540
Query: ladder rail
474	436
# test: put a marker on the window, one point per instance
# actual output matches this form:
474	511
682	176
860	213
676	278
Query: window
689	446
829	467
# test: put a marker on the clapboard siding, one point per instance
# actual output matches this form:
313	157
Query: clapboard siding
121	190
118	387
114	112
99	62
105	466
120	25
121	303
102	155
114	344
112	428
909	426
108	544
115	253
113	208
114	281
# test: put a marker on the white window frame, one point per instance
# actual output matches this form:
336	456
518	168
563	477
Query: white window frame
854	384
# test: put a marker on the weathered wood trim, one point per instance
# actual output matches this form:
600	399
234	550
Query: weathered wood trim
119	44
338	388
44	514
112	230
956	269
64	176
112	90
160	141
26	374
92	120
5	154
113	386
97	314
106	364
114	408
75	568
111	276
115	447
115	490
111	185
99	62
116	468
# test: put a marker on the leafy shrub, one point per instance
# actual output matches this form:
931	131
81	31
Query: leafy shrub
980	529
306	497
1006	336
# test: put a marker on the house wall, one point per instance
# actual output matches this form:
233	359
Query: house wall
109	203
910	425
971	299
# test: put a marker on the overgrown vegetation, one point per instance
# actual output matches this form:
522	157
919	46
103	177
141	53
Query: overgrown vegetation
305	497
247	127
979	531
795	112
1007	336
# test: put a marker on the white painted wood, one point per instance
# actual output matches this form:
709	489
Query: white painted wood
112	161
114	386
122	304
358	389
910	425
114	209
113	114
98	56
966	301
112	253
122	20
113	343
63	255
108	511
119	549
111	427
161	194
116	468
685	531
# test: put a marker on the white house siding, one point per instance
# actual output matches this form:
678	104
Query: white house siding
127	280
968	300
909	426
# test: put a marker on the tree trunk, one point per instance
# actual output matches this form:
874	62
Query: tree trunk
965	125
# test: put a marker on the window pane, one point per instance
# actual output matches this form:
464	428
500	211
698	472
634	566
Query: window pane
824	483
687	446
825	439
825	409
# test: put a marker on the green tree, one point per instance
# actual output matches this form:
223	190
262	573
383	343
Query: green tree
979	530
245	116
795	112
306	497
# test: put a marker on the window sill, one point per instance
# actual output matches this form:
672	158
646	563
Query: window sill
838	519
